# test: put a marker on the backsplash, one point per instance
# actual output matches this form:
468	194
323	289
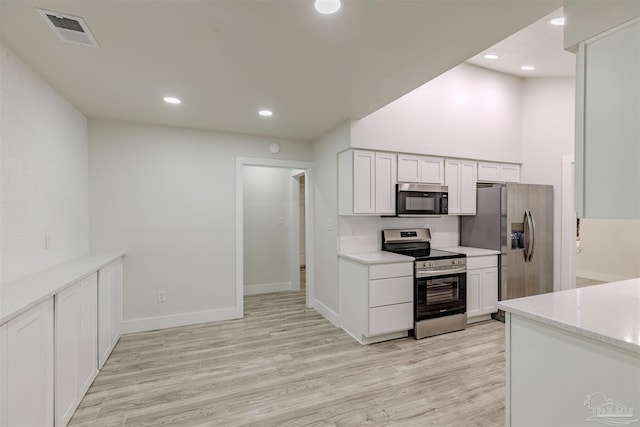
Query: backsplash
363	234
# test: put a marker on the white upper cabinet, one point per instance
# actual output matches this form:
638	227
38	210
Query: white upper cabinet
460	178
364	177
366	183
420	169
498	172
385	186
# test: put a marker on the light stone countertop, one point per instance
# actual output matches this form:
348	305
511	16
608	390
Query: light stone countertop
470	252
609	313
376	257
20	295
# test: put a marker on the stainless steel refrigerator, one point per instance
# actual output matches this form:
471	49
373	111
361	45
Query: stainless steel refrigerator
517	220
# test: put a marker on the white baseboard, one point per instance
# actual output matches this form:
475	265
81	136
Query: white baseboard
603	277
265	288
329	314
174	320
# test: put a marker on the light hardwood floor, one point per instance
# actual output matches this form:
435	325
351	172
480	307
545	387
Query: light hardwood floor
284	364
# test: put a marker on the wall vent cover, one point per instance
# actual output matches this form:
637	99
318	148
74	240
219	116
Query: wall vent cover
69	29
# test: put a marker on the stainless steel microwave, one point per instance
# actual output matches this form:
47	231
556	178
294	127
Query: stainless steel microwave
421	200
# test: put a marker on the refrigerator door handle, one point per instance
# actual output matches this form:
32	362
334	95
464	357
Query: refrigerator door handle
527	237
533	236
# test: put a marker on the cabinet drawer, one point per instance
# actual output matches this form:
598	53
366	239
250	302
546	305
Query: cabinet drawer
482	262
390	318
383	271
390	291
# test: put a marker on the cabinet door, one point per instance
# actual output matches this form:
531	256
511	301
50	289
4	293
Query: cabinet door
389	291
30	367
409	168
385	183
489	296
109	309
452	181
67	351
488	172
432	170
474	278
390	318
105	303
364	169
467	188
3	375
88	367
509	172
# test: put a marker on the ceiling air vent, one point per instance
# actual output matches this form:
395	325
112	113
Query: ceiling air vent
70	29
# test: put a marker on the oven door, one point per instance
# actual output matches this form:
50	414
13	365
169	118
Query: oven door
439	296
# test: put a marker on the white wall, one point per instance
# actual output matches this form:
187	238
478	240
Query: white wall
362	234
609	249
44	173
467	112
548	135
166	196
325	162
267	228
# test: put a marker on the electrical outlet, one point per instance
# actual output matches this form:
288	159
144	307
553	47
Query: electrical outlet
280	221
47	240
162	296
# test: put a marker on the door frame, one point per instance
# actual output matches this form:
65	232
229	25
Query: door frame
568	225
241	162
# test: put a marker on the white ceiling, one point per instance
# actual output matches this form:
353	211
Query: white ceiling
539	44
227	59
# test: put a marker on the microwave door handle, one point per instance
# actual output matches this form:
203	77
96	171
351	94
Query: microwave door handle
533	236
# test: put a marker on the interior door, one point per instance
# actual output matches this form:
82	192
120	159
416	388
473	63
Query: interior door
539	268
517	202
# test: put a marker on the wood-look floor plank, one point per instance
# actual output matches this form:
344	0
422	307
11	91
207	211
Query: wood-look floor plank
284	364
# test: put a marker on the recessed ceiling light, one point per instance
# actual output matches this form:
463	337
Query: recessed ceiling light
491	56
172	100
265	113
327	7
528	68
557	21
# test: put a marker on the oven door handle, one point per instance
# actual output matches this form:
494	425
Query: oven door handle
458	270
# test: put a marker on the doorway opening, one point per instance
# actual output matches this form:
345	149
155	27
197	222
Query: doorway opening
273	229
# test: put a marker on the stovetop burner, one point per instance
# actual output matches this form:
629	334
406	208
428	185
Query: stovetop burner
415	243
427	254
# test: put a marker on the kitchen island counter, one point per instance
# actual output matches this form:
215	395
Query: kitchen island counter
609	313
574	353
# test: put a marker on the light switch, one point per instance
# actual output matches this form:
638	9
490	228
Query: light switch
280	221
330	224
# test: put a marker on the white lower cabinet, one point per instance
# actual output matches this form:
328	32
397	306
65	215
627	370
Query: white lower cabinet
376	300
109	309
28	389
76	345
482	287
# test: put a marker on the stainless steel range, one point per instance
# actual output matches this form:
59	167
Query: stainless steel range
439	279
